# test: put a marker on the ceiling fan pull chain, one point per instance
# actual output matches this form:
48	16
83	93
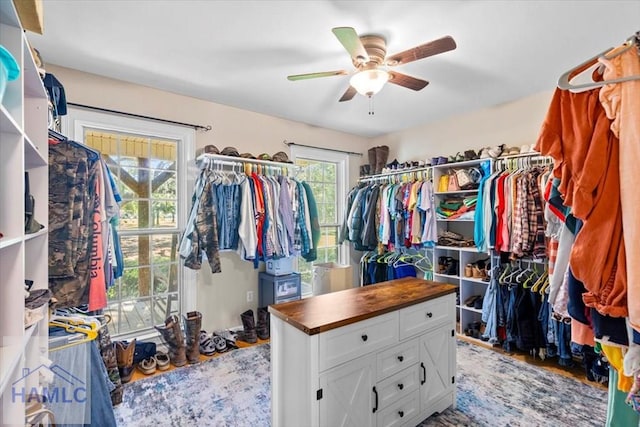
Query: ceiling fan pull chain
371	112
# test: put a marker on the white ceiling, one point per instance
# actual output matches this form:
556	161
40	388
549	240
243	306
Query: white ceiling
239	53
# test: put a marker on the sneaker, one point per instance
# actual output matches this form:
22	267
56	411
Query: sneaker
207	345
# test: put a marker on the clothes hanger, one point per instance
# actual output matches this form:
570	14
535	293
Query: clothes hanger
564	82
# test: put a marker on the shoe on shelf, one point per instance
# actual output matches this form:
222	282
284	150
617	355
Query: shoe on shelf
468	270
206	344
148	366
162	361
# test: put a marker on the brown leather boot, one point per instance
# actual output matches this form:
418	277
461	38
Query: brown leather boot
263	326
193	322
124	356
172	335
382	155
372	159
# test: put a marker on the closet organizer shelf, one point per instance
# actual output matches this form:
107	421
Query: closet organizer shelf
474	280
472	249
10	357
8	124
454	220
450	276
23	147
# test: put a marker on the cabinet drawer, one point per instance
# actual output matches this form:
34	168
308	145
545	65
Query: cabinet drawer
400	412
397	358
351	341
422	317
398	386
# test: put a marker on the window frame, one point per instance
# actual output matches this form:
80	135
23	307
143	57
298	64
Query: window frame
342	183
74	125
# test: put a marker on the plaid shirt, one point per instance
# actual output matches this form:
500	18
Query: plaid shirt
520	230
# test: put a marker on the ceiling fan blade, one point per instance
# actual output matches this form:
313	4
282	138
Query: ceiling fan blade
434	47
407	81
316	75
350	40
349	94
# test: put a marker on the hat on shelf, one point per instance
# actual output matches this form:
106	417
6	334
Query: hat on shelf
264	156
208	149
281	157
510	151
247	156
230	151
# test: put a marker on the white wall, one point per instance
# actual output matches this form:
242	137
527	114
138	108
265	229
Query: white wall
514	124
220	297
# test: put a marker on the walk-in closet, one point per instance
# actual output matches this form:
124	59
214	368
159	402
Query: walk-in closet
322	213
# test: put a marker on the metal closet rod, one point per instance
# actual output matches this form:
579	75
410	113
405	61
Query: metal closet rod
206	128
290	143
395	172
220	158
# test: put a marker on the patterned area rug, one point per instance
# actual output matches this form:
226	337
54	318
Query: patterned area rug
234	390
498	390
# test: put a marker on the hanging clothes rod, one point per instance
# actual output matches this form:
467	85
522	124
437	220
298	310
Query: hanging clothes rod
393	173
239	161
351	153
206	128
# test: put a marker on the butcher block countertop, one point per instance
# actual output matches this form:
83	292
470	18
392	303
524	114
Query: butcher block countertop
329	311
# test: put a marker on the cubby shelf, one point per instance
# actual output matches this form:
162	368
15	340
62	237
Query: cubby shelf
23	147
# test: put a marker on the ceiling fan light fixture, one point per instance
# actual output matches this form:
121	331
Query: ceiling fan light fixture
369	82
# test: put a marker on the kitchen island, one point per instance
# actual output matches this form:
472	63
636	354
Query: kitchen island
379	355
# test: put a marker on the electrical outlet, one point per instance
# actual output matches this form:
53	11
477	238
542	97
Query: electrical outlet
249	296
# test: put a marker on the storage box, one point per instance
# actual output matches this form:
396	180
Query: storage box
280	267
276	289
331	277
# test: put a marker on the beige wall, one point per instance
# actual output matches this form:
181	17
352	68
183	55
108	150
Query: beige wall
220	297
514	124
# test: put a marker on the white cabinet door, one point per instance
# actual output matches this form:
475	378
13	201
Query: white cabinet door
348	397
437	359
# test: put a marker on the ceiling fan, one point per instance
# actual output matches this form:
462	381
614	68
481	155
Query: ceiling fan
368	54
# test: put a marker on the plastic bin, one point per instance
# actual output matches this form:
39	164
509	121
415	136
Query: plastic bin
331	277
9	69
279	267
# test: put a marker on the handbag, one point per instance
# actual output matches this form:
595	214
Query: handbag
443	184
465	182
453	182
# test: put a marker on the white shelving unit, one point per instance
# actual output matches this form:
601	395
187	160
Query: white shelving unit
468	286
23	148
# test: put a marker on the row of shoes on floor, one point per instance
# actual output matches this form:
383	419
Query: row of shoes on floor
188	346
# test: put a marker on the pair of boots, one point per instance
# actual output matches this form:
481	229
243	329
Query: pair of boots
171	333
251	332
378	158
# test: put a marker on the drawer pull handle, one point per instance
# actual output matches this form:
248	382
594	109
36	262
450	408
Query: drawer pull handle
376	393
429	315
400	358
401	413
400	386
364	337
424	373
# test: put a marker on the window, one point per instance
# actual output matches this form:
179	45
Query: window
325	172
149	169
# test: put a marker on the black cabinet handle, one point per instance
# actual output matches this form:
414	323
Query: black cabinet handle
364	337
429	315
424	373
400	386
401	413
376	393
400	358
